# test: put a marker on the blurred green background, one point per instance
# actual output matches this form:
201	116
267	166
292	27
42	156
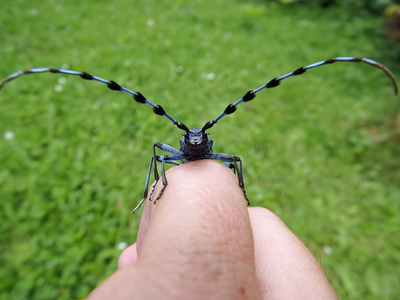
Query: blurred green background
322	150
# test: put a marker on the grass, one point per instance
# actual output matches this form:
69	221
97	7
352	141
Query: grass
321	150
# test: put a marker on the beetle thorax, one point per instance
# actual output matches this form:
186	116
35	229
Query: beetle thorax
195	144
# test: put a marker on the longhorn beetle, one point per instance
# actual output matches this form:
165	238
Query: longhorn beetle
196	143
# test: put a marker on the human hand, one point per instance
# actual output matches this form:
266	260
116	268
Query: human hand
202	242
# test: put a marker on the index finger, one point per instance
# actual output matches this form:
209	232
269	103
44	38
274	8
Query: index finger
201	218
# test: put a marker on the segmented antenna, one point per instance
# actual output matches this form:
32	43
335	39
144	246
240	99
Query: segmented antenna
250	95
112	85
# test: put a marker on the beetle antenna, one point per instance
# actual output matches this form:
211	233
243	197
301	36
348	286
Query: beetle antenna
112	85
250	95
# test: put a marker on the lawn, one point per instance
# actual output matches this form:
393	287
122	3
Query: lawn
321	150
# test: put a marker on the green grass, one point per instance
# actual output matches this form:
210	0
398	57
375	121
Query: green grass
321	150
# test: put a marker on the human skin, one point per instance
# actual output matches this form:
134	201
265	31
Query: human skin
201	241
